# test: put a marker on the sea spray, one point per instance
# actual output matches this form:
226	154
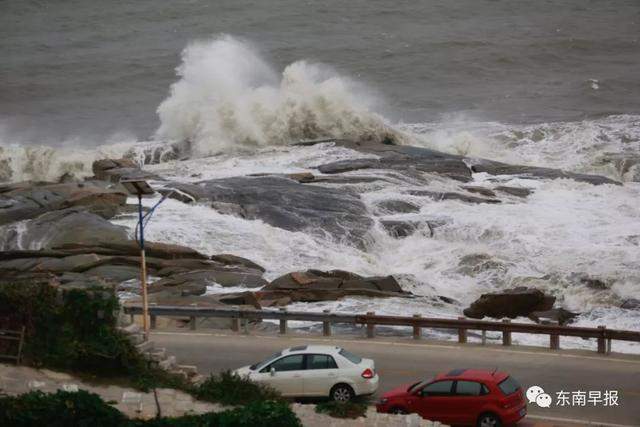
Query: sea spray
228	98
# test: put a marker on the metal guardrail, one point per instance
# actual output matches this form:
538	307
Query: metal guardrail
6	335
603	335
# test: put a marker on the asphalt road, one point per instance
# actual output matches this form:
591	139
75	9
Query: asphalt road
400	361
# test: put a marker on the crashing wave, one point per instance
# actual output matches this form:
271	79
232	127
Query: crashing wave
229	98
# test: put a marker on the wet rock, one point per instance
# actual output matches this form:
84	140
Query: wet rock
397	206
211	277
515	191
400	229
287	204
510	303
24	201
451	196
556	315
479	190
240	298
114	170
301	177
404	157
631	304
229	259
115	273
61	227
498	168
348	165
591	282
131	248
315	285
474	264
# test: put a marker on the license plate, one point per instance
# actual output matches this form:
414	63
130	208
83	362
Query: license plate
522	412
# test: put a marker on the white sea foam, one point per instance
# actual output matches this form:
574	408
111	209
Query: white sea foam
563	228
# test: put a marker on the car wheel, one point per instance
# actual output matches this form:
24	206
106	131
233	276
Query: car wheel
489	420
341	393
399	411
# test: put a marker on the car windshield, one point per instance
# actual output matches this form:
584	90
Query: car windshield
350	356
509	386
258	366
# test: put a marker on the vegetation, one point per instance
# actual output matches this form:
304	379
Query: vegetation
352	409
66	409
230	389
75	330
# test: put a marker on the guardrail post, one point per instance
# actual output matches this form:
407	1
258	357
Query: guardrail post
484	337
462	333
192	320
235	324
326	325
371	332
608	345
506	334
283	322
152	317
554	342
417	329
602	346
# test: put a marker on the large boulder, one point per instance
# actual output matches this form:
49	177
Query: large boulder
510	303
316	285
631	304
406	159
286	204
62	227
114	170
29	200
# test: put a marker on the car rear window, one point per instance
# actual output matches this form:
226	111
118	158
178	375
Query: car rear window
509	386
350	356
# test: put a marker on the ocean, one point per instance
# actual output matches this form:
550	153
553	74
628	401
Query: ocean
549	83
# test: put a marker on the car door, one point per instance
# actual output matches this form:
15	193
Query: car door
467	401
321	374
432	401
287	378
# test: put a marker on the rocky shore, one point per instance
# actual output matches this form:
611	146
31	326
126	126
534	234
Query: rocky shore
61	231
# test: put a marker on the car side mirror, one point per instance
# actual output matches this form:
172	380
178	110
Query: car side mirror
272	371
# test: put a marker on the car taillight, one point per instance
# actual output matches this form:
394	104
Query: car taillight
367	373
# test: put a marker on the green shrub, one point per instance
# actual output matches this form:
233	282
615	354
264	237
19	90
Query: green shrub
62	409
76	331
83	409
230	389
353	409
267	413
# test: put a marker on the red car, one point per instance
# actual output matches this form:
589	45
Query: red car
461	397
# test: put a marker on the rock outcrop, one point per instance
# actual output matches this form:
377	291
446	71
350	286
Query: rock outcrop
284	203
316	285
510	303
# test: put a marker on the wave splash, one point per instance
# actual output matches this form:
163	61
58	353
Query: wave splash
229	98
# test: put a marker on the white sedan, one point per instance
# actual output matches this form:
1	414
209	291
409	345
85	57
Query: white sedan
315	371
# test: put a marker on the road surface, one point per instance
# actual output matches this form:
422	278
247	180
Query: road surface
401	360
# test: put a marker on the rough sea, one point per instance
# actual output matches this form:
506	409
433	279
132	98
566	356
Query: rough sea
547	83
